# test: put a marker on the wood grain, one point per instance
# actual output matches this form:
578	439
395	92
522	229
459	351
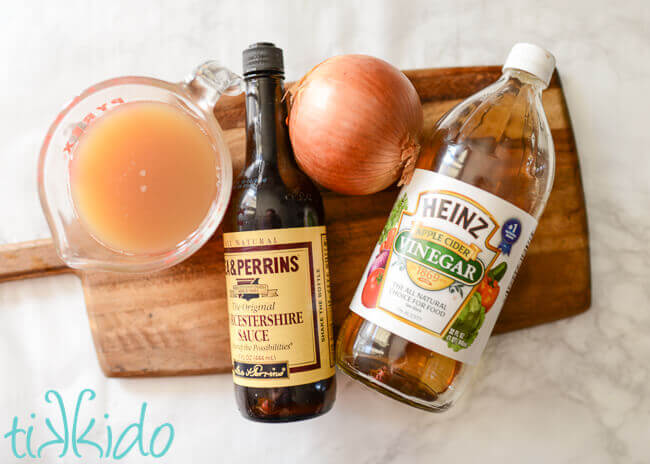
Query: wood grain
30	259
175	322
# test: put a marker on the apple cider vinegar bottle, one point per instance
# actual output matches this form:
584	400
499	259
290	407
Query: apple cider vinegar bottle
446	259
277	277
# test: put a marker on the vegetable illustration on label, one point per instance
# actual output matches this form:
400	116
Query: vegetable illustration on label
371	288
489	286
469	321
380	259
400	206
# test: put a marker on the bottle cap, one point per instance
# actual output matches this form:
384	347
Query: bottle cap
532	59
263	57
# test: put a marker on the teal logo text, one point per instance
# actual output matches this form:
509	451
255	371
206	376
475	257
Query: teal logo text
68	436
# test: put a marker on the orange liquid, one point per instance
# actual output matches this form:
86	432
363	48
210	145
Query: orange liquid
143	177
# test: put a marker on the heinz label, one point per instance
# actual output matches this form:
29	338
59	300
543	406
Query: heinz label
443	265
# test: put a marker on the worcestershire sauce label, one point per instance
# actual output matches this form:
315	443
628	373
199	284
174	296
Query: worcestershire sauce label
443	265
279	305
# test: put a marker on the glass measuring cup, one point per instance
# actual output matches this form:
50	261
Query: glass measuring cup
196	97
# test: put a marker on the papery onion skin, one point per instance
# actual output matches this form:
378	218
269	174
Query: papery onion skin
355	123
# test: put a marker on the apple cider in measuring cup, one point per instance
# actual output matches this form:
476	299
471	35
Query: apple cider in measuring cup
143	177
445	261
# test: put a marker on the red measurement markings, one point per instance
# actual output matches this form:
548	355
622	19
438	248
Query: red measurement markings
81	126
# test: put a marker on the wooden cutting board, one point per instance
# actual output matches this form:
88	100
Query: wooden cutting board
175	322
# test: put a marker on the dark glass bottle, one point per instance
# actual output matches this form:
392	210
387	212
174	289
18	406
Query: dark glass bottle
272	193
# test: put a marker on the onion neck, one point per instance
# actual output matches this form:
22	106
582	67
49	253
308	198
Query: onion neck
409	156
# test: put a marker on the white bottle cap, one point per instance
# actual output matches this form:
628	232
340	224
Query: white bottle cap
532	59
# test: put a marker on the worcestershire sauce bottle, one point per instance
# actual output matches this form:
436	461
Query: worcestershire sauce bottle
277	277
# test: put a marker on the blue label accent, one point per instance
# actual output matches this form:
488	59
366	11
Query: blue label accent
510	233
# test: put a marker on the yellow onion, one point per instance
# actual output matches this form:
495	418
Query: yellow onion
355	123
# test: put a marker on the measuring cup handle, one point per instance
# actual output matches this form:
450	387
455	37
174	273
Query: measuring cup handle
210	81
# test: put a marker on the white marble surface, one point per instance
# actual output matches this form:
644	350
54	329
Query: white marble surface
574	391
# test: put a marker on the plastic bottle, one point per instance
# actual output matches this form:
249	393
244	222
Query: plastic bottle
455	239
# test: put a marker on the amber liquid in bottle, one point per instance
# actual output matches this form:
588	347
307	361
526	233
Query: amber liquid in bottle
272	193
499	141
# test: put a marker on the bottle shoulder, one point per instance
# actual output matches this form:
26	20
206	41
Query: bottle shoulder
263	200
499	141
